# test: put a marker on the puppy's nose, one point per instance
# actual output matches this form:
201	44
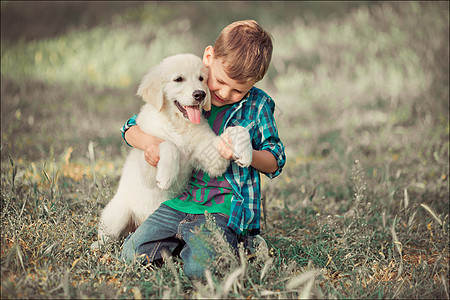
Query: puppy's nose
199	95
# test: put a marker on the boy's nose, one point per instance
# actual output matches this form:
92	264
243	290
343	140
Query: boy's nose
223	94
199	95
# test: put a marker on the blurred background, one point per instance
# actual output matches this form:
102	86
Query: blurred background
70	69
365	80
362	95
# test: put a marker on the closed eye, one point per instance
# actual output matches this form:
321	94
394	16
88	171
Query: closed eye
223	83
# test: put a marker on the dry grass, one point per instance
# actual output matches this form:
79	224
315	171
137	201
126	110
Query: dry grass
360	210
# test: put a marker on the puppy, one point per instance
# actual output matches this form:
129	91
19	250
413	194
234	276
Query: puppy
175	92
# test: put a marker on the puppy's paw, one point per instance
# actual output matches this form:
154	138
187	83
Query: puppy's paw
245	160
163	178
95	245
242	146
168	165
101	242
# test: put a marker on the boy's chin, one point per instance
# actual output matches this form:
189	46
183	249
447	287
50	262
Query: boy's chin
216	102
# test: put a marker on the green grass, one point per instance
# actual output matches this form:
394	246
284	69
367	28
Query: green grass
360	210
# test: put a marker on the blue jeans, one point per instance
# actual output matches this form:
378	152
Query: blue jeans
169	229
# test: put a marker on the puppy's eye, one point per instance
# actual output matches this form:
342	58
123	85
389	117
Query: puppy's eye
201	78
179	79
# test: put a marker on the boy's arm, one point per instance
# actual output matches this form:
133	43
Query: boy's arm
135	137
139	139
270	157
264	161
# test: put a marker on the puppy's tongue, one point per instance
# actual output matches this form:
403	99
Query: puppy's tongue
193	113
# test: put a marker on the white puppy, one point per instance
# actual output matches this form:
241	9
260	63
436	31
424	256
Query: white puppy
175	91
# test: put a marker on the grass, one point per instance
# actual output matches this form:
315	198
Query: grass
360	210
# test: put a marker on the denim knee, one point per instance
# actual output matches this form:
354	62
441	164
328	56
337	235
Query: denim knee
129	251
194	270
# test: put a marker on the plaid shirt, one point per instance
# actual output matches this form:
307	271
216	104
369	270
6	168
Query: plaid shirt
255	113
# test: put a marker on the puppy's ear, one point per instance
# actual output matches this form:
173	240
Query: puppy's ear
207	103
150	89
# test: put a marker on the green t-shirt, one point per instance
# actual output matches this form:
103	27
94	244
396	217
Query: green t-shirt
206	193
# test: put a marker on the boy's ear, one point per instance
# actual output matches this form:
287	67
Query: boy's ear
150	89
208	56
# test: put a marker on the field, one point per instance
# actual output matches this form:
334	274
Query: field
361	209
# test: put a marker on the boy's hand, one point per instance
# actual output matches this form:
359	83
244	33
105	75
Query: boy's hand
151	154
151	148
235	144
145	142
225	146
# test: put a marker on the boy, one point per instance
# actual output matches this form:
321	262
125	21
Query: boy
239	59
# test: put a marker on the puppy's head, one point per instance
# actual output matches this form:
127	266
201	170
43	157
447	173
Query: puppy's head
178	84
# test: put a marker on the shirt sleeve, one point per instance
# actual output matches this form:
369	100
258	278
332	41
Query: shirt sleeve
131	122
269	138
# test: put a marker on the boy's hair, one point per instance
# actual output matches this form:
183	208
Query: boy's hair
246	49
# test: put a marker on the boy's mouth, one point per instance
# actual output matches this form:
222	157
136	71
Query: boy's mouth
218	98
192	113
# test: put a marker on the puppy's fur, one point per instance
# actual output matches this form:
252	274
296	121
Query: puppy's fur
175	92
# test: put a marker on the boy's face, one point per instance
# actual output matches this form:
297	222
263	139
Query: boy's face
224	90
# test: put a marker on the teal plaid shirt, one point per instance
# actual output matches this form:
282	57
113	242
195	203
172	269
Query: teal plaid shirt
255	113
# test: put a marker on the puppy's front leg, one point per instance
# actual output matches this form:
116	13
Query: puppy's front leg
206	155
242	145
168	165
